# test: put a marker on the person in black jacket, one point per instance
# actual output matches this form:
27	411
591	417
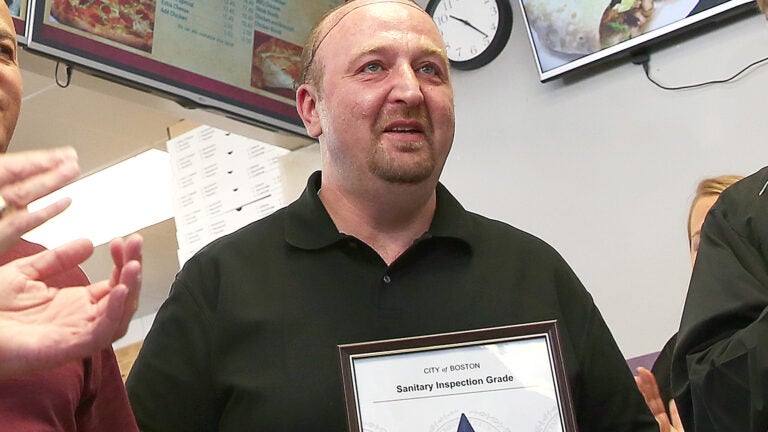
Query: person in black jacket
656	383
720	363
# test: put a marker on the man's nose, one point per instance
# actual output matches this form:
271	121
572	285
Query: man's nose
406	87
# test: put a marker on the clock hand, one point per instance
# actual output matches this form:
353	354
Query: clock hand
468	24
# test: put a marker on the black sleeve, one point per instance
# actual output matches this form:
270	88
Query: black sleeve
170	385
611	400
605	395
720	365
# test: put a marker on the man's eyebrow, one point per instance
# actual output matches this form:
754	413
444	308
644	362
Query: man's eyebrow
6	35
377	49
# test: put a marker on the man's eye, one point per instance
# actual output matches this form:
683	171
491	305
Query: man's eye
7	52
372	67
429	69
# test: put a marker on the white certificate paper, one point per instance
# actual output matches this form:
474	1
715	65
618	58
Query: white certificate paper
513	381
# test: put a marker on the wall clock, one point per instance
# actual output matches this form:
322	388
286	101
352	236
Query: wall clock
474	31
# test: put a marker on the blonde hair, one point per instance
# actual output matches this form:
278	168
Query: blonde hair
711	186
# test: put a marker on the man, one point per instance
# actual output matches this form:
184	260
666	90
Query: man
42	327
25	177
374	249
51	317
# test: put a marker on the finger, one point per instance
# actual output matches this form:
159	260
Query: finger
20	165
123	251
648	379
117	304
25	190
38	217
650	390
133	248
51	262
129	286
117	250
110	310
676	422
131	279
131	275
646	382
15	223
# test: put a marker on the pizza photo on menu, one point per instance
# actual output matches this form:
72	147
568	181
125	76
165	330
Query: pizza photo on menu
128	22
276	64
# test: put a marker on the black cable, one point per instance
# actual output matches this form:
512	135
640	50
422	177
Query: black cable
56	76
643	60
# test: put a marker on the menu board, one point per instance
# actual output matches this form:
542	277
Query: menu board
237	56
18	10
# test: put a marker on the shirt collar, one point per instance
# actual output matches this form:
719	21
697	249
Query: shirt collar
309	226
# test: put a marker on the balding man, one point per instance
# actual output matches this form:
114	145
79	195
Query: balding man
374	249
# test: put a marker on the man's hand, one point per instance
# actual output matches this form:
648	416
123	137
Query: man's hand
25	177
43	327
648	386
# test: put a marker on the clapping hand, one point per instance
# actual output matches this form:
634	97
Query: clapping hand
648	386
43	327
25	177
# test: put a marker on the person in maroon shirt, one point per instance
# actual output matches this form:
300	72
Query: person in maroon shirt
57	369
80	395
42	326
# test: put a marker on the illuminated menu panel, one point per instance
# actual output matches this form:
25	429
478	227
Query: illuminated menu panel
237	56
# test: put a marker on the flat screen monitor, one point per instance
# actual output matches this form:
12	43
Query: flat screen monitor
238	57
567	35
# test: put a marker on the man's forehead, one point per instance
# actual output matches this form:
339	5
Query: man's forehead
6	21
357	4
337	17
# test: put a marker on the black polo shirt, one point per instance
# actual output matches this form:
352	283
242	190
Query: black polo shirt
248	338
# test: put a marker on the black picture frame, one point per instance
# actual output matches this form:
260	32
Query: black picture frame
350	353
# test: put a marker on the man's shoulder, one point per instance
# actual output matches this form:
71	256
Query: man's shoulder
503	239
495	228
261	231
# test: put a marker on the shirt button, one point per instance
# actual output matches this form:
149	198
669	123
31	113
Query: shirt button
387	279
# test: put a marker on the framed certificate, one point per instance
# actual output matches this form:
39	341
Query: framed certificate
508	378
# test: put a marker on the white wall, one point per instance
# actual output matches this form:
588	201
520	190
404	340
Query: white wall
603	166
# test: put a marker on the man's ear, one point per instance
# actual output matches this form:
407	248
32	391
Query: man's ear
306	105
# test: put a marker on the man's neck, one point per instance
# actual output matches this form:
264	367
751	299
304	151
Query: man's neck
388	220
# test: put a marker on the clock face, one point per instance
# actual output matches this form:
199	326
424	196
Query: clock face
474	31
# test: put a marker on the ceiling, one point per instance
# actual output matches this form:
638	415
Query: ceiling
108	123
